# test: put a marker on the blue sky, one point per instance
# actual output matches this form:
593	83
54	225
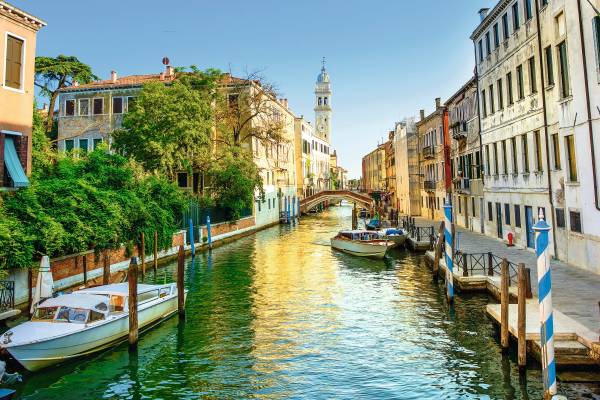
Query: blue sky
387	59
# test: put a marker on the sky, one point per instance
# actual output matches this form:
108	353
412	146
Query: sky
386	59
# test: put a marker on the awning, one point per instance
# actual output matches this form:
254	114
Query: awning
13	164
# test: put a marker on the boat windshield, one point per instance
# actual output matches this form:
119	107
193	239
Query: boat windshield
44	314
73	315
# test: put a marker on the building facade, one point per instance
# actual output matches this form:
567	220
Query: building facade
18	31
408	182
432	162
465	153
374	170
390	171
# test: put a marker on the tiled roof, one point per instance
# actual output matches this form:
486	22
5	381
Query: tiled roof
124	81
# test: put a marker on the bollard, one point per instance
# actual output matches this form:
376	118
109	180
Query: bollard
143	255
181	282
133	303
438	251
192	242
504	302
528	283
106	269
522	302
448	226
208	232
84	270
155	245
542	251
490	264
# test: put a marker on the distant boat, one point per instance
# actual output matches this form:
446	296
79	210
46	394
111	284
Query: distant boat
361	243
83	322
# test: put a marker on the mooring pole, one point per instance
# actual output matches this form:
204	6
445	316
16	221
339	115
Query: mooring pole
208	232
504	302
155	246
542	251
133	320
181	282
438	252
522	302
192	243
143	255
448	228
106	269
84	270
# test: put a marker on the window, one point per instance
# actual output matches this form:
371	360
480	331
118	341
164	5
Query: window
515	167
525	150
488	47
492	107
258	204
83	145
500	91
596	30
117	105
572	161
565	89
98	106
532	77
84	107
69	107
495	147
556	151
320	101
13	76
549	66
515	15
130	103
517	215
538	151
509	89
504	158
490	213
528	11
96	143
560	217
484	103
69	144
520	88
575	218
325	101
487	159
496	36
507	214
182	179
269	203
480	47
478	167
505	31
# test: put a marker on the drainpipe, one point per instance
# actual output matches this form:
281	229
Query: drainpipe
548	172
589	110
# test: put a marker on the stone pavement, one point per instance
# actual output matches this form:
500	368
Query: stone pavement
575	291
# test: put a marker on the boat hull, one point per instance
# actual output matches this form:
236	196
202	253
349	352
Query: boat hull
91	339
357	248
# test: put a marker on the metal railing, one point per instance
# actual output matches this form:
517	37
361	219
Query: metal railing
429	185
484	264
428	151
462	185
7	295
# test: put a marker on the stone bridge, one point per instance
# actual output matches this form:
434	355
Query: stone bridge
360	199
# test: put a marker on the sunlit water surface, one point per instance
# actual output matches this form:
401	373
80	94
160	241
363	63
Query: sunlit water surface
280	315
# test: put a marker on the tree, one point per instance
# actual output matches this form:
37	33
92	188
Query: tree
53	74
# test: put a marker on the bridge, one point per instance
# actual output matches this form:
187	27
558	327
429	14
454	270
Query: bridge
360	199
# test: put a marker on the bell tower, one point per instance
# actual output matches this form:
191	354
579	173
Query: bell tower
323	105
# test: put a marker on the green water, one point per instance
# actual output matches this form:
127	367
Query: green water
280	315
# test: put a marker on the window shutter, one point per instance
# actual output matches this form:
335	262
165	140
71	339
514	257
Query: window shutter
14	53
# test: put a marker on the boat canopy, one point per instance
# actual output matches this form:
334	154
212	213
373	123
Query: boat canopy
86	301
118	289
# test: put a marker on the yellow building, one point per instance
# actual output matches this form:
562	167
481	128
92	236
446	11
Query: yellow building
374	170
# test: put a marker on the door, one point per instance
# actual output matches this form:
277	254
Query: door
481	216
499	219
466	212
529	227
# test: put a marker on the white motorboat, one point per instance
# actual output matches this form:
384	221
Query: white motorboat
85	321
398	236
361	243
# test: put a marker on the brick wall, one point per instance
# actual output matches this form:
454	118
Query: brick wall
227	227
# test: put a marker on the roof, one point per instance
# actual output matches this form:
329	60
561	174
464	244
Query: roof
463	89
76	300
122	82
490	16
117	288
20	15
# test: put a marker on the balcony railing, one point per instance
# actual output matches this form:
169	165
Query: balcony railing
7	295
428	151
459	131
462	185
429	185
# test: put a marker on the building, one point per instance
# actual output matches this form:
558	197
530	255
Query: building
322	133
390	171
374	170
432	162
18	30
408	182
338	174
517	184
465	153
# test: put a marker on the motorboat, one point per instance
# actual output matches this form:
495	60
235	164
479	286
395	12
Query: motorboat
361	243
398	236
85	321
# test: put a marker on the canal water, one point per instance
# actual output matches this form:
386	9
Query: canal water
280	315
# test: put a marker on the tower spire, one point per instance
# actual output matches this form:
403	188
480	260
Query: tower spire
323	64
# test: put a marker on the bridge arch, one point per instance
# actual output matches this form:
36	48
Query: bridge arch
360	199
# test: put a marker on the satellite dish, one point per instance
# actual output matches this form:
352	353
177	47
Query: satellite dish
165	60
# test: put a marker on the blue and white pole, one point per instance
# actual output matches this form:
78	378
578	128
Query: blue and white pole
542	251
448	248
208	232
192	244
287	210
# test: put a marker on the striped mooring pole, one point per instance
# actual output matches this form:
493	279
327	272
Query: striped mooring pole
287	211
192	238
448	250
208	232
542	251
293	209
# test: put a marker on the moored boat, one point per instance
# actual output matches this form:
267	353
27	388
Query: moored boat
361	243
398	236
84	322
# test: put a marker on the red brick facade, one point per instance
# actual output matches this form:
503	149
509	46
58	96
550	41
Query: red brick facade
227	227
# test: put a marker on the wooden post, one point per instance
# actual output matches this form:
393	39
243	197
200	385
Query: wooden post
180	282
522	299
528	283
438	251
85	270
504	301
106	269
155	252
29	292
465	260
133	320
490	264
143	255
453	243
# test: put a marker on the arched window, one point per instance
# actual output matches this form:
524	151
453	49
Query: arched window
325	100
320	101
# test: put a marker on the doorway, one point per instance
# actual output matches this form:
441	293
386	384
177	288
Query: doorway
499	220
529	227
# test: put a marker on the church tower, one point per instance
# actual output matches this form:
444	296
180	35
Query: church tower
323	105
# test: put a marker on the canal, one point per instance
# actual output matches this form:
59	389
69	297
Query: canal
280	315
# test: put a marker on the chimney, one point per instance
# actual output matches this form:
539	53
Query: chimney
75	83
438	103
113	76
162	76
483	13
422	115
169	71
285	103
45	107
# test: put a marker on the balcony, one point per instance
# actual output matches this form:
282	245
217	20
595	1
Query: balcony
459	131
429	186
462	185
428	152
